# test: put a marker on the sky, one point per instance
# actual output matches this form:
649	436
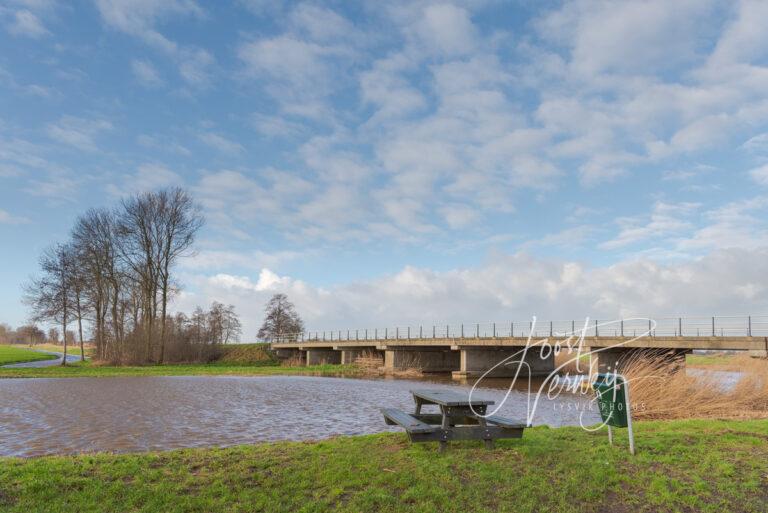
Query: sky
387	163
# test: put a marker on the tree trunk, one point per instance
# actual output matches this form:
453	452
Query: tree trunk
80	326
163	307
64	329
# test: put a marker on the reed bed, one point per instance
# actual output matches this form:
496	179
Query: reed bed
372	363
661	389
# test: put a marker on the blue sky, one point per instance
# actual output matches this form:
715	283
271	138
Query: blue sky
404	161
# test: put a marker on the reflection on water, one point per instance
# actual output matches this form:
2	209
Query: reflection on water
123	414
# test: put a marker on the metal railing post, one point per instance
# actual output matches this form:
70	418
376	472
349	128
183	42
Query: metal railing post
550	328
573	327
680	326
386	333
477	330
397	333
366	333
511	330
433	331
376	333
494	330
749	326
447	332
421	334
622	328
596	332
713	326
409	333
357	334
462	331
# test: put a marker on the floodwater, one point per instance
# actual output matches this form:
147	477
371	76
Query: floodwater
127	414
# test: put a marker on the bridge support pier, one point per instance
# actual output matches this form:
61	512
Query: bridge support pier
323	356
476	361
425	359
614	359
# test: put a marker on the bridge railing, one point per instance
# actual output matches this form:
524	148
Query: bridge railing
718	326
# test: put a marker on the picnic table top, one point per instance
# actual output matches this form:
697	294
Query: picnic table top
448	398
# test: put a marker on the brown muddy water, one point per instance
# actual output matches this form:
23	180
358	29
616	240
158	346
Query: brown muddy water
128	414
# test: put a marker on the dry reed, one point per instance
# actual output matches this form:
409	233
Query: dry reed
372	363
661	389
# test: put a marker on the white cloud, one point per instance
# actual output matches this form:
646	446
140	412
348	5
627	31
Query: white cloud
146	73
757	143
665	220
26	23
148	177
760	174
78	132
550	289
446	29
140	18
221	143
7	218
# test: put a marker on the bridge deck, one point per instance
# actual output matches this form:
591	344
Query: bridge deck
686	342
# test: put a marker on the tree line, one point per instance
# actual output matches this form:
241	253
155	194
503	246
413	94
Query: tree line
115	276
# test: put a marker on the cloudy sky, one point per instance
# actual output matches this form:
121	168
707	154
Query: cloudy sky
402	162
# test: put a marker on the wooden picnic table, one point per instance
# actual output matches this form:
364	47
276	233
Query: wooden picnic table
459	419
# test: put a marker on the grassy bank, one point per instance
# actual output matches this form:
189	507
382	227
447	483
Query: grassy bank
71	348
681	466
211	369
13	354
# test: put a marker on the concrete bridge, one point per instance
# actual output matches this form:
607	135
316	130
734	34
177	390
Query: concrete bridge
470	350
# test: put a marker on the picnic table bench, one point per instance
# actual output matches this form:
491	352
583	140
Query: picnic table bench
459	419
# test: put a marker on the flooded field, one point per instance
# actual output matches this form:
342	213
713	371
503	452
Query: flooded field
127	414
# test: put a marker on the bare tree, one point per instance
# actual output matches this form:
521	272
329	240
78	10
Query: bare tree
156	229
224	323
95	240
29	334
51	295
140	253
281	321
176	223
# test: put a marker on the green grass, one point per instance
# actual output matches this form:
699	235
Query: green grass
708	466
87	369
709	359
12	354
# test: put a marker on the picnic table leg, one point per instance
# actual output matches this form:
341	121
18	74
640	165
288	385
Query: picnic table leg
488	442
418	406
445	425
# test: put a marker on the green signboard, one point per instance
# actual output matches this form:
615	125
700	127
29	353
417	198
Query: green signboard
613	400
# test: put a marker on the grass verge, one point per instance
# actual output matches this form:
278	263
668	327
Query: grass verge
702	465
87	369
12	354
